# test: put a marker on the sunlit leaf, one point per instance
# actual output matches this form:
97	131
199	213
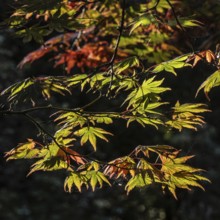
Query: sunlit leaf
23	151
211	82
172	65
187	116
90	134
142	20
126	64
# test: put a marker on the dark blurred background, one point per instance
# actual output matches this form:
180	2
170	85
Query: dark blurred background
41	196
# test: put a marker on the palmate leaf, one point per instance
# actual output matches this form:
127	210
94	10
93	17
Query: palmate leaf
120	167
211	82
26	150
71	119
76	79
185	180
126	64
50	164
86	178
45	85
91	176
52	84
171	65
190	107
98	81
158	149
74	179
150	89
169	170
206	55
151	170
96	177
48	158
113	68
139	180
125	84
68	155
179	175
187	116
90	134
51	45
56	14
105	80
147	114
145	120
145	101
16	89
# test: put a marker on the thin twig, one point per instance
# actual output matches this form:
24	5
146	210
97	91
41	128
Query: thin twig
180	25
92	102
121	28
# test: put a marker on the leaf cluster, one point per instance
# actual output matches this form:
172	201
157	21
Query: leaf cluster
113	51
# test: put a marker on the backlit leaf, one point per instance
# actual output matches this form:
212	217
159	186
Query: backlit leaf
90	134
211	82
126	64
172	65
187	116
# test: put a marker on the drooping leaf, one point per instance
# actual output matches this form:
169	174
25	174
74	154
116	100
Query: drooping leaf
90	134
187	116
50	164
120	167
171	65
169	170
179	175
91	176
212	81
144	120
126	64
74	179
186	22
206	55
26	150
139	180
16	89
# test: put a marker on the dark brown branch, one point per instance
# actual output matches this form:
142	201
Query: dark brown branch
22	112
121	28
122	115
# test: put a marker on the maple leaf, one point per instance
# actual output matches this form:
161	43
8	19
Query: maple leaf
26	150
51	45
89	56
120	167
212	81
206	55
66	154
90	134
